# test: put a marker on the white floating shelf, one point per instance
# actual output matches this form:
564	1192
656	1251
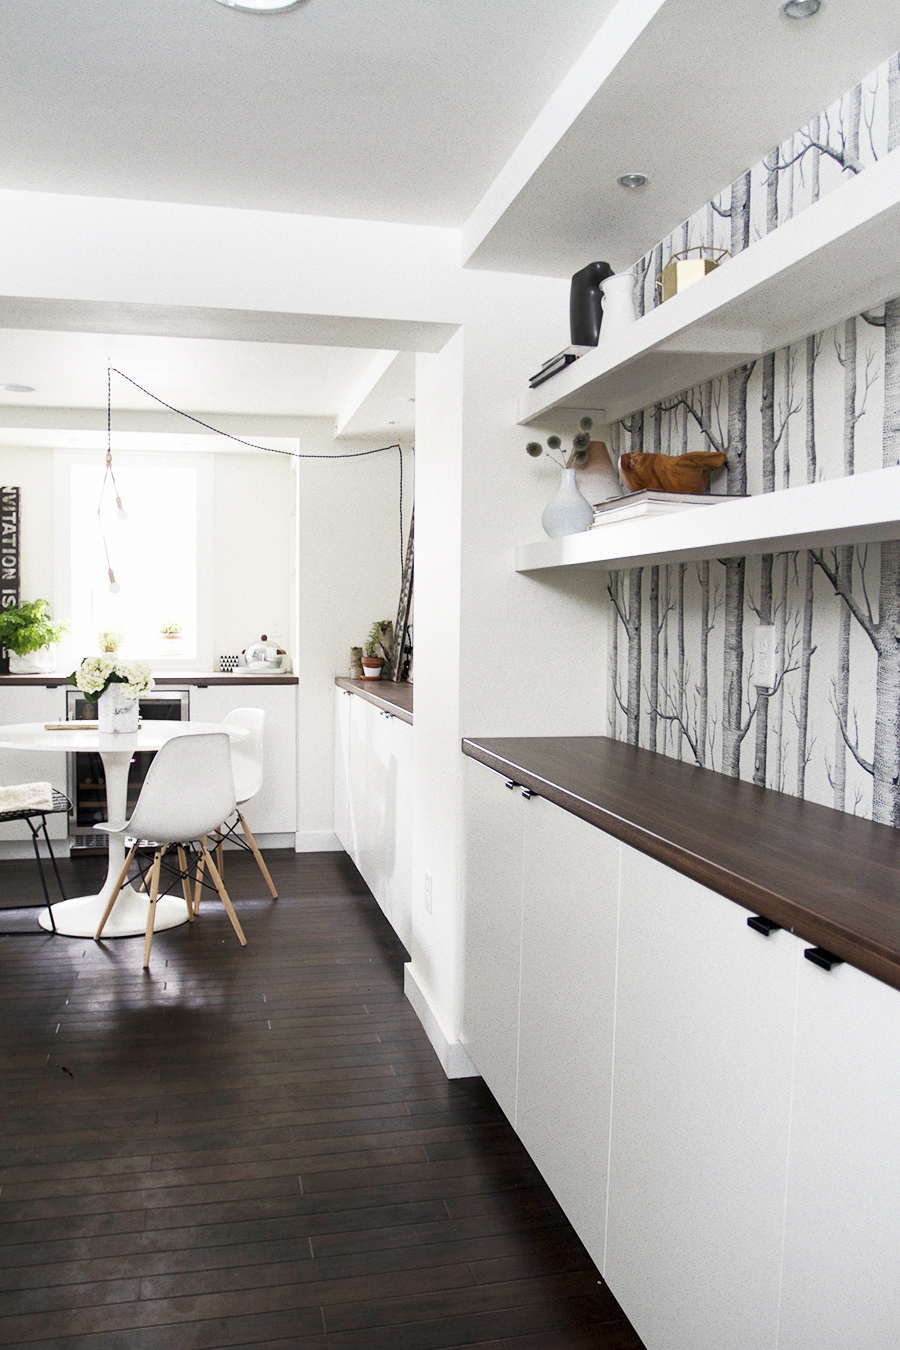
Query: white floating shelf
864	508
835	259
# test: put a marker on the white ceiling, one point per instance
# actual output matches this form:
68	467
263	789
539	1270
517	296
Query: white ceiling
404	110
401	111
69	370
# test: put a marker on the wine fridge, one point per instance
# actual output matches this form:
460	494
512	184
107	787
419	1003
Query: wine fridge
86	781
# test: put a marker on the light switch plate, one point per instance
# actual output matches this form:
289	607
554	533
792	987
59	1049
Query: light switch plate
765	657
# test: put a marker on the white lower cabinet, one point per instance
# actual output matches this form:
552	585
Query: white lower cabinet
342	702
274	809
373	802
541	893
718	1117
842	1218
700	1119
567	1010
492	886
24	703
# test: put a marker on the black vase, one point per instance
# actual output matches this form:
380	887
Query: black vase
586	303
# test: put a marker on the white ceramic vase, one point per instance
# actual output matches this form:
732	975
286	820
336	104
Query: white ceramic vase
117	711
618	305
568	512
42	661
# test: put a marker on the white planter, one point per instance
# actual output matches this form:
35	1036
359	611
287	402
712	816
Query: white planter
372	672
42	661
117	711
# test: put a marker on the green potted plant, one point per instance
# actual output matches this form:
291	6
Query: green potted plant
110	639
29	635
373	650
171	631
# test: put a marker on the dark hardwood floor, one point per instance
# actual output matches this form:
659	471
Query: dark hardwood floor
257	1147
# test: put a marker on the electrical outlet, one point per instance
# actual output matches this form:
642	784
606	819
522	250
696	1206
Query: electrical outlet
428	892
765	657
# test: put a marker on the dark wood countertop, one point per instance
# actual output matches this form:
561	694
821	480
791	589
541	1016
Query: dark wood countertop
831	878
168	680
396	699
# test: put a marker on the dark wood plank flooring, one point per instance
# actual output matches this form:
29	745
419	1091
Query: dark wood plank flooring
257	1148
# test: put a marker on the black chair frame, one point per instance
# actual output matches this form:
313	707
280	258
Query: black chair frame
36	820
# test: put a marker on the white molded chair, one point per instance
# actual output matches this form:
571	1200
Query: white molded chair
247	766
188	791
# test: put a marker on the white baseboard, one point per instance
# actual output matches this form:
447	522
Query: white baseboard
317	841
452	1054
285	840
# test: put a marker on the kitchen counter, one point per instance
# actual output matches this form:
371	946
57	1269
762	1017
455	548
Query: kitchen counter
832	879
396	699
166	679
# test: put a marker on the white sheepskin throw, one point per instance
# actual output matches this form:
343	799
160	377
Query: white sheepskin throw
26	797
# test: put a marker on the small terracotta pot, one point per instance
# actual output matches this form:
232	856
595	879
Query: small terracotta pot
372	667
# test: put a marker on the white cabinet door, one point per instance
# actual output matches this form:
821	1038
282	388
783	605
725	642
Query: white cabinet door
364	814
567	1006
842	1232
700	1115
342	701
373	802
274	809
493	919
391	776
27	703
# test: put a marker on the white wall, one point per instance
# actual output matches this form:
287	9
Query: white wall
349	568
253	530
497	653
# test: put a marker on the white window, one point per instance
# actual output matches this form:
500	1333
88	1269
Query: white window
157	555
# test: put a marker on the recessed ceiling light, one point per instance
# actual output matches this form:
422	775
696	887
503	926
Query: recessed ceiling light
800	9
262	6
632	180
17	388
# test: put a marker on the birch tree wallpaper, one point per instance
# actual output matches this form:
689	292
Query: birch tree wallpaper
681	667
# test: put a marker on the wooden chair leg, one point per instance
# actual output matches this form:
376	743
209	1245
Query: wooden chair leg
185	882
257	855
220	852
224	897
143	885
198	877
115	892
151	913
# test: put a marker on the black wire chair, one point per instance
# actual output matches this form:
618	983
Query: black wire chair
36	820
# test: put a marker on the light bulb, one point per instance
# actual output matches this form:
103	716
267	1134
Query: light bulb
801	9
113	584
122	513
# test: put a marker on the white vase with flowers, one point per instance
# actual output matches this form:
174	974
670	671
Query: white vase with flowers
116	685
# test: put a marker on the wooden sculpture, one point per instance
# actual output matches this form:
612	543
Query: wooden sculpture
670	473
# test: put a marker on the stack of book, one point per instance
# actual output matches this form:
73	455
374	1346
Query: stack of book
650	503
556	364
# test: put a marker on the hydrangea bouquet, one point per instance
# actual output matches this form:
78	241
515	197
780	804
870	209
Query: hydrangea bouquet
96	673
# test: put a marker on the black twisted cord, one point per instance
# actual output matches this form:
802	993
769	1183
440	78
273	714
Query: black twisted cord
270	450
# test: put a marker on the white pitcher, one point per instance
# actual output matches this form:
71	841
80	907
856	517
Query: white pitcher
618	305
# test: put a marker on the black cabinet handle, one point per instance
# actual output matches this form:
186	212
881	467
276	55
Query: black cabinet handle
764	926
511	783
528	793
820	957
